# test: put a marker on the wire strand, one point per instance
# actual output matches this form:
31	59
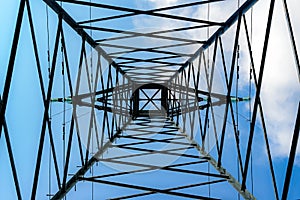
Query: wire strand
236	105
64	102
92	87
250	91
208	54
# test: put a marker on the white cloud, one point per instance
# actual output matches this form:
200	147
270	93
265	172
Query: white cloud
163	2
280	92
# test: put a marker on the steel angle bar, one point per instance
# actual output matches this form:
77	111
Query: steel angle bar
11	158
292	37
193	91
73	24
85	95
166	152
68	154
148	169
156	32
236	185
45	117
11	63
228	102
148	153
171	189
42	88
144	12
166	140
168	168
92	98
81	57
153	50
81	172
149	132
292	156
163	191
262	115
257	95
154	10
231	20
150	60
139	34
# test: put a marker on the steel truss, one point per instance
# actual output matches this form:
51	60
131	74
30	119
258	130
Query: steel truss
181	110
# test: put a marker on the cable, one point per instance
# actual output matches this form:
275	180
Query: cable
208	33
237	110
236	105
250	89
91	49
48	40
58	113
208	164
92	87
237	89
64	102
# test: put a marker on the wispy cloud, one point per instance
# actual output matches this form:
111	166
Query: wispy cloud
280	90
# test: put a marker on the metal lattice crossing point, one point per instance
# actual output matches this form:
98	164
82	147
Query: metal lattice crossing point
155	145
150	99
133	109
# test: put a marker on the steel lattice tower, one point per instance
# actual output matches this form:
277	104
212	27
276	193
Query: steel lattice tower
147	113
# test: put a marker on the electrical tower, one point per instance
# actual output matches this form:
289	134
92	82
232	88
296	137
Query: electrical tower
146	103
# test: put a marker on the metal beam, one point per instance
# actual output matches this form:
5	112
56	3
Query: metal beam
11	158
231	20
262	115
257	95
46	109
154	10
143	12
39	70
80	173
170	189
139	34
228	102
236	185
11	63
137	187
73	24
292	37
292	156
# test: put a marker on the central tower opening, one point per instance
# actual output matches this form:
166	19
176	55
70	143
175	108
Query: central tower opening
149	99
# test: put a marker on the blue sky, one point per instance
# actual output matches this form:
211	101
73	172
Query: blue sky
25	108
